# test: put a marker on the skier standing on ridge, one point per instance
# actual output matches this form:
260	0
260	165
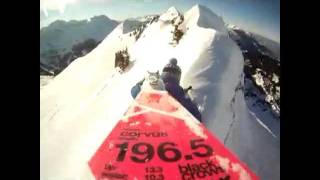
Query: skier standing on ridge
170	76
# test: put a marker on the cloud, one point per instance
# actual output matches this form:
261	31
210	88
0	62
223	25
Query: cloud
60	5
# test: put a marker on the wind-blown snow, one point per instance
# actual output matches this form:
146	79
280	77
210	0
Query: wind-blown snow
80	107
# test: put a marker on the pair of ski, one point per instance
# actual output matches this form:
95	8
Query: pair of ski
158	139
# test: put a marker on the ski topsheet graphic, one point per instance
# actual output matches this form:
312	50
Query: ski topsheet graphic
159	139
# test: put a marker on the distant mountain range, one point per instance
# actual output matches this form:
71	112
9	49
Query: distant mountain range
61	42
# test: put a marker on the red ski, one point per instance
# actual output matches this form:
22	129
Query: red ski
159	139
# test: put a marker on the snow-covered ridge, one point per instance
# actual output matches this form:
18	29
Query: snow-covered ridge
170	14
84	102
208	19
262	67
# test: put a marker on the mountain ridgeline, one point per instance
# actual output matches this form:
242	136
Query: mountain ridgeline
262	67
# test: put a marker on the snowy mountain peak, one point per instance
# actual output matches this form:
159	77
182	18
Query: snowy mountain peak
173	10
197	9
170	14
198	6
207	18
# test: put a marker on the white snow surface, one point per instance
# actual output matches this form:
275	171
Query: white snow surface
80	107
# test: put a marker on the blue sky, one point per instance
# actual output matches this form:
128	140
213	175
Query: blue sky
259	16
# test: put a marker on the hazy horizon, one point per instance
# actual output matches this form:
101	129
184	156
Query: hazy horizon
257	16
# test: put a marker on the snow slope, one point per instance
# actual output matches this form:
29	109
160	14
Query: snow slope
84	102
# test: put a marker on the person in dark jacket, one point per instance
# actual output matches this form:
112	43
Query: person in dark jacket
171	75
171	72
